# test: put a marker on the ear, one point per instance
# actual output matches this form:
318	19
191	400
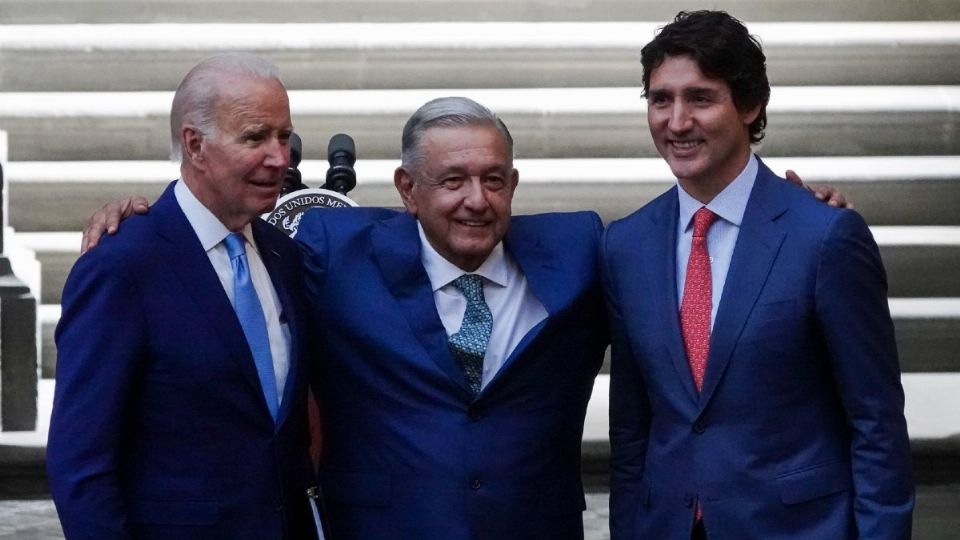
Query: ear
514	180
191	143
748	116
403	181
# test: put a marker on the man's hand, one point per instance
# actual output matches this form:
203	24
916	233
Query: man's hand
107	219
827	194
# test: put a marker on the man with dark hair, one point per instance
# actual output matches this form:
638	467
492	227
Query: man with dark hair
723	49
755	388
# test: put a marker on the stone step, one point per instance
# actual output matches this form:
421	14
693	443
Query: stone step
545	122
130	57
928	333
909	190
149	11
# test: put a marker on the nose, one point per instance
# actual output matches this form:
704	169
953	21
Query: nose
474	196
679	120
277	154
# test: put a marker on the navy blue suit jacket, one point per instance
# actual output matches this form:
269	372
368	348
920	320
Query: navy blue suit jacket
408	452
799	429
160	428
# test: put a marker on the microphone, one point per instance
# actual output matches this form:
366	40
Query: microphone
293	180
342	154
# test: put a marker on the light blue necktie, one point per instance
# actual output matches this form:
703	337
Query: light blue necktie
247	305
469	344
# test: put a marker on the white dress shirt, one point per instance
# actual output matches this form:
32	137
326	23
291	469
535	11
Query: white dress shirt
211	232
514	308
729	205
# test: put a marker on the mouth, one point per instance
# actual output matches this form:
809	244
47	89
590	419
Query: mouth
265	184
685	146
474	223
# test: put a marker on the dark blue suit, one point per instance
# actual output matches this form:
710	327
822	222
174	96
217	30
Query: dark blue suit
160	428
799	430
408	452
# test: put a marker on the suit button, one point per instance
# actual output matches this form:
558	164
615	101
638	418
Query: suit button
474	415
475	484
688	500
699	427
278	508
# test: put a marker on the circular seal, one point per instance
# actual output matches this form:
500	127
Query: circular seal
290	208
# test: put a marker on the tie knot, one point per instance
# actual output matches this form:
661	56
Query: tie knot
471	285
234	243
702	221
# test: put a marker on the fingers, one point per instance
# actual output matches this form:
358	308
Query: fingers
831	196
93	230
107	220
794	177
827	194
139	205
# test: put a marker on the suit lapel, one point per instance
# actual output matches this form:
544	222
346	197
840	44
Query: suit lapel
192	266
538	265
396	247
757	246
660	249
546	281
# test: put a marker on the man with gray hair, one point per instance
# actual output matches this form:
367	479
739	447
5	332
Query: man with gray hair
180	405
460	342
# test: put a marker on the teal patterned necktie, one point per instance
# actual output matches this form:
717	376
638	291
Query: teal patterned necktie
250	312
469	344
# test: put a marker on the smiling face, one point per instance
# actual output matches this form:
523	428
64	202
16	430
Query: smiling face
461	191
240	167
696	127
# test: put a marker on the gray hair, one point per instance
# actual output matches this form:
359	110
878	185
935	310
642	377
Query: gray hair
195	101
445	112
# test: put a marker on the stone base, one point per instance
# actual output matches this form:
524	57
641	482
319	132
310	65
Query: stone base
19	366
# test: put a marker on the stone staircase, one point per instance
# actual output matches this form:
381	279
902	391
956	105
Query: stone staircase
866	97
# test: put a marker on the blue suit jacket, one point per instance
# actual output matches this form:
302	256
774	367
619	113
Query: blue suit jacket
160	428
408	453
799	429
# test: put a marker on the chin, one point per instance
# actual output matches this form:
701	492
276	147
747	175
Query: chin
684	170
265	206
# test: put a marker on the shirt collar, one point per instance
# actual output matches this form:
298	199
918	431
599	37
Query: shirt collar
210	230
441	271
730	204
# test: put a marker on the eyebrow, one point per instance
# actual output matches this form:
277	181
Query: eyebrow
660	92
700	90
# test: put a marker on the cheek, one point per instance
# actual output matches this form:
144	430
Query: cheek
656	120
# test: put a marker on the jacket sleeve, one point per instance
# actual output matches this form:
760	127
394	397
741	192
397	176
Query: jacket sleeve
100	338
851	304
629	413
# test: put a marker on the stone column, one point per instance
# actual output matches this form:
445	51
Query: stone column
19	365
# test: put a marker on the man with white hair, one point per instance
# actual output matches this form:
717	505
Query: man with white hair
180	398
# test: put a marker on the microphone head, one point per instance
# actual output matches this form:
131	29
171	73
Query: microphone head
342	154
296	150
342	146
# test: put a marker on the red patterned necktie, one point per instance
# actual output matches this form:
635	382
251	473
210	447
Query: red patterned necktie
696	305
697	301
